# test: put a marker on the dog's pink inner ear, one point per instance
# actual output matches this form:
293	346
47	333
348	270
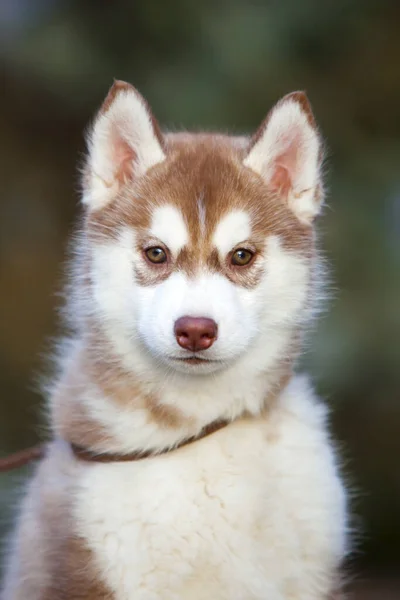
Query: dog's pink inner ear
280	180
286	153
124	157
284	170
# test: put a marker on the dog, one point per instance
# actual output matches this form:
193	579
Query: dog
189	460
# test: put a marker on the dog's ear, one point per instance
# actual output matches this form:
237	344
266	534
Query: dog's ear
286	152
124	142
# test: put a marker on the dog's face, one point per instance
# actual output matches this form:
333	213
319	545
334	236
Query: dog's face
200	246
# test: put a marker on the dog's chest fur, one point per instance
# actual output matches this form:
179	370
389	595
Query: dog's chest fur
249	512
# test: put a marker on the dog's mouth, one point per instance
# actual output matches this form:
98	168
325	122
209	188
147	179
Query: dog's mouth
194	360
195	364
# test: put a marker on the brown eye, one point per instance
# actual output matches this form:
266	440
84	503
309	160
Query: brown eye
242	257
156	255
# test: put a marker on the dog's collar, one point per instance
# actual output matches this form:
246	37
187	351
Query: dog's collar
89	455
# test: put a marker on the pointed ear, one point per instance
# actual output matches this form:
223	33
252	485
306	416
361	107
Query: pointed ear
286	152
125	141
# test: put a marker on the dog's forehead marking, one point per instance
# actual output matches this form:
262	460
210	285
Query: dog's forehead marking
202	214
169	227
232	229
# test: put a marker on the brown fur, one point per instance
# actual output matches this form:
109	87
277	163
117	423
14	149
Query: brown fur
125	388
209	168
72	422
74	575
55	562
70	417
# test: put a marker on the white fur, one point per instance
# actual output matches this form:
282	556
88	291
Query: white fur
254	512
168	226
290	141
136	315
253	335
202	214
231	230
127	121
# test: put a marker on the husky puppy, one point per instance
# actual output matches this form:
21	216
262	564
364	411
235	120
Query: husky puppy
188	460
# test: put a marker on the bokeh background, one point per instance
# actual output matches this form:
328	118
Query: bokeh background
219	64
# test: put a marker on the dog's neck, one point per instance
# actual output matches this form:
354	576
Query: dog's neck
101	406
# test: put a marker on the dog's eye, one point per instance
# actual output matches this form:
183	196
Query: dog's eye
242	257
156	255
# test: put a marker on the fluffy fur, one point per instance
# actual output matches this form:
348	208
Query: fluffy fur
256	510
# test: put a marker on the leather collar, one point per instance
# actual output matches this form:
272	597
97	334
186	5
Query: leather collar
88	455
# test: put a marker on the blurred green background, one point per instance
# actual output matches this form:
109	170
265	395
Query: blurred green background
218	64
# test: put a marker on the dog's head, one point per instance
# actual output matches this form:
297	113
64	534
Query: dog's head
199	247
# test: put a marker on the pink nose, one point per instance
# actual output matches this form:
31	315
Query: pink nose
195	333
